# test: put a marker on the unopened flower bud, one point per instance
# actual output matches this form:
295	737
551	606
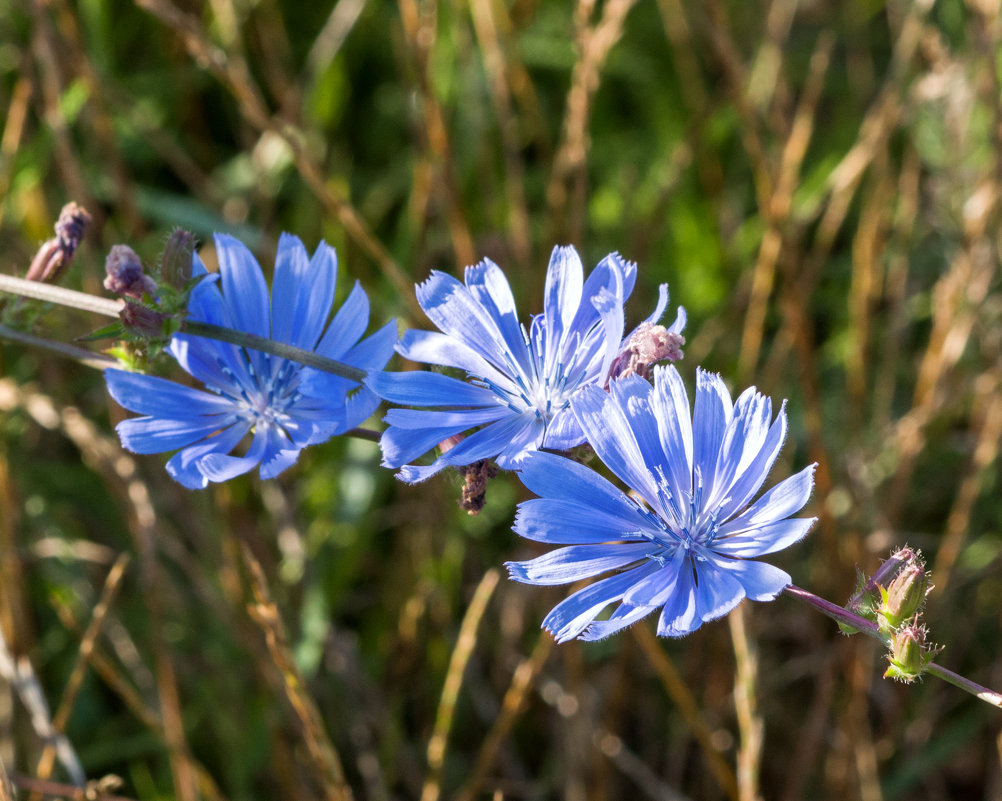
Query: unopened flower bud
55	254
143	321
648	344
909	654
176	265
126	275
904	597
71	226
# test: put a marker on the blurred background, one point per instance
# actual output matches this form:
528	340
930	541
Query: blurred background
818	183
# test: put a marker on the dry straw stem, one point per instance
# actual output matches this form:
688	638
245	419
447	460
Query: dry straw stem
776	212
572	155
121	473
324	759
465	643
495	65
62	716
988	416
99	790
235	75
680	695
750	724
522	681
419	30
18	672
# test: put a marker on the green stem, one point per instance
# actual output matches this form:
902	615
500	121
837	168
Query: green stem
869	628
307	357
96	360
112	308
59	295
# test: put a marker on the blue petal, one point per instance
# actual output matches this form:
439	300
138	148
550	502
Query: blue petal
552	476
302	292
710	417
572	615
748	483
563	522
658	587
148	394
461	419
488	285
159	434
609	433
432	347
453	308
670	407
761	581
244	289
563	431
765	539
717	591
348	325
783	500
401	445
624	616
183	467
576	562
222	467
373	352
420	388
562	294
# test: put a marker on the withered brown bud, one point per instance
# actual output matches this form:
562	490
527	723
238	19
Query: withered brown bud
125	273
55	254
646	346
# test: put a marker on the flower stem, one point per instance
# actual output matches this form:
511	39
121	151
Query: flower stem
59	295
868	627
96	360
112	308
307	357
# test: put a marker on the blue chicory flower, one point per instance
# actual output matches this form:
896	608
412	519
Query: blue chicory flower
519	383
685	545
286	405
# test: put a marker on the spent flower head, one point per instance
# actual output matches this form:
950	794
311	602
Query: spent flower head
285	405
519	383
685	540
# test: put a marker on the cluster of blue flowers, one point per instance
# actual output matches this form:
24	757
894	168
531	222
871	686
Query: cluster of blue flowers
682	541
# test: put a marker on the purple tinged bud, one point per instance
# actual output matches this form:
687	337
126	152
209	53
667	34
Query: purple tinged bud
55	254
71	226
143	321
126	275
176	265
648	344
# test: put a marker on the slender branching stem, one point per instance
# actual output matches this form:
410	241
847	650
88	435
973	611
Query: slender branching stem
59	295
242	338
868	627
112	308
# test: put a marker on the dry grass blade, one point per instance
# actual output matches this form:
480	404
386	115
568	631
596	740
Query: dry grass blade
236	77
105	455
75	681
750	723
6	788
486	30
324	759
687	705
17	670
522	680
572	155
419	28
465	644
